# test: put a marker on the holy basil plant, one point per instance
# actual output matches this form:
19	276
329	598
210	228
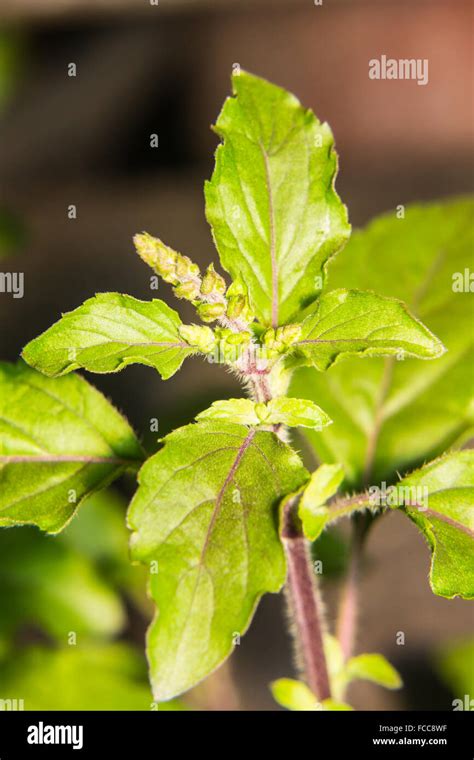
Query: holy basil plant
226	510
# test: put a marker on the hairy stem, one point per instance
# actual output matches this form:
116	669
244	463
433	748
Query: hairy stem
346	629
302	593
306	608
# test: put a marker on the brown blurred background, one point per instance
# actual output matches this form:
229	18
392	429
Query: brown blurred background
164	70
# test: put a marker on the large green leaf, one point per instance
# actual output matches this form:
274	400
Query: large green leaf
394	415
60	440
50	585
442	506
348	322
275	216
206	513
109	332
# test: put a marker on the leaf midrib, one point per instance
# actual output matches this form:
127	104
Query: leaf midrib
271	220
218	502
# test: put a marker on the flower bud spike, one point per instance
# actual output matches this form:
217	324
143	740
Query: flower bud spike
157	255
172	266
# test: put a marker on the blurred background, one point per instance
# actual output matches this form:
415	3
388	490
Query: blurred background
85	140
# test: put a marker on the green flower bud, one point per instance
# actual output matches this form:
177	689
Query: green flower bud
268	338
237	288
229	352
238	338
185	268
236	306
288	334
238	303
222	333
158	256
278	342
188	290
212	282
208	312
197	335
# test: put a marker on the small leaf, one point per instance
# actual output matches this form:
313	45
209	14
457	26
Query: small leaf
286	411
373	667
60	440
109	332
294	695
296	412
439	498
312	511
240	410
205	521
348	322
275	216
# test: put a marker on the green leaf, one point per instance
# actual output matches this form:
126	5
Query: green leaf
96	677
48	584
373	667
293	412
240	410
60	440
295	695
292	694
354	322
296	412
206	513
109	332
444	489
312	510
391	416
275	216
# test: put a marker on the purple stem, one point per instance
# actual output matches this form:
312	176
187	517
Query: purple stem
306	608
